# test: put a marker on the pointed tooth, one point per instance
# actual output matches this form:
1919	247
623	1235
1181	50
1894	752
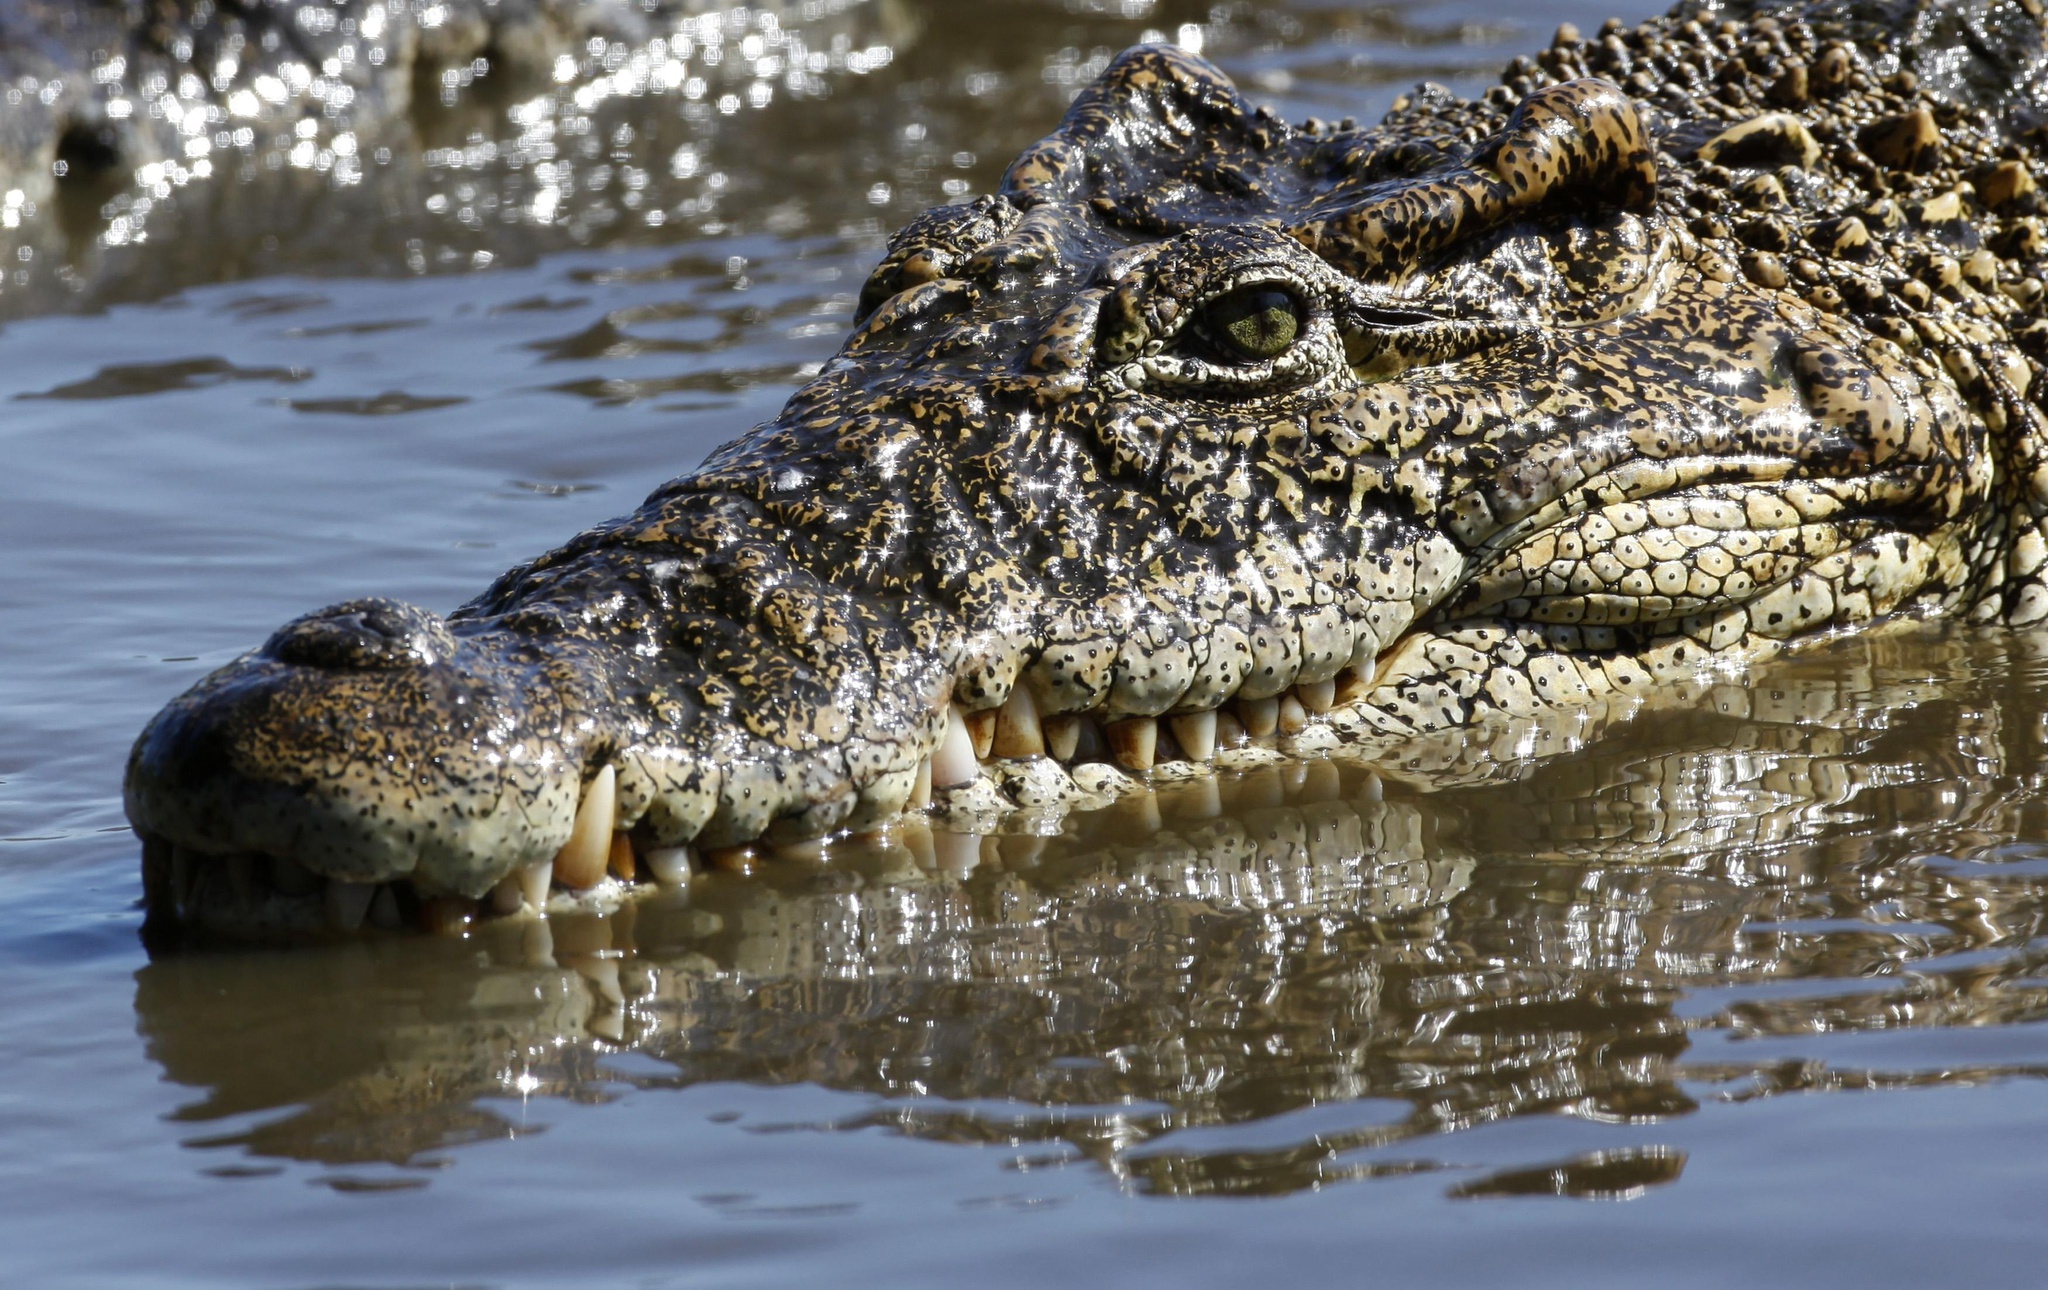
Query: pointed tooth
981	728
383	914
1261	717
620	859
1229	730
957	854
581	861
1062	735
1317	696
534	881
670	866
1196	732
1373	791
1133	741
921	787
508	897
1018	732
446	915
1293	717
347	902
1091	746
293	878
1352	684
954	764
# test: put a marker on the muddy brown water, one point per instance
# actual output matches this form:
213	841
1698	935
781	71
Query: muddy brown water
1747	988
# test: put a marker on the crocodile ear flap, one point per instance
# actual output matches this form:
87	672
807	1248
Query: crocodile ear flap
1158	119
1579	145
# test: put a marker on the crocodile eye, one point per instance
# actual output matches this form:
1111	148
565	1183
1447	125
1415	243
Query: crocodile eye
1252	324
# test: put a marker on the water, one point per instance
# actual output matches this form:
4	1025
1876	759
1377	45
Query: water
1744	989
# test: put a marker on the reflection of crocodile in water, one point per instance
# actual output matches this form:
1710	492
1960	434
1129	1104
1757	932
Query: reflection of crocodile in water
1208	436
1410	963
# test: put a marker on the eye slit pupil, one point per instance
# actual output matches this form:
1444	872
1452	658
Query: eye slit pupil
1253	323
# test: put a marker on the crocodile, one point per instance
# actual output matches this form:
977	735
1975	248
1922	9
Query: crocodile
1210	438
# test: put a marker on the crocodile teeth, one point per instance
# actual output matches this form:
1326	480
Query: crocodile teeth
347	903
921	787
1353	683
581	861
954	764
620	859
508	897
1062	735
1134	741
1261	717
534	881
670	866
1317	696
1293	716
1018	733
1196	733
1229	730
524	888
981	727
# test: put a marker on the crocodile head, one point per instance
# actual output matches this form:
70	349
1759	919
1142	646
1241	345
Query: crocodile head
1206	433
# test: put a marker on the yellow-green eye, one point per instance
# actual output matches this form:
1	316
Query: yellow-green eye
1253	324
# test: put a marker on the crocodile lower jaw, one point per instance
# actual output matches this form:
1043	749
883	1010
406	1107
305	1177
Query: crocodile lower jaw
264	897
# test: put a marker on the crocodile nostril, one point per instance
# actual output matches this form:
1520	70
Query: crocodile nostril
363	635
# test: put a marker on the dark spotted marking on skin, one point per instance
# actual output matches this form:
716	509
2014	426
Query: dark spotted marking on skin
1685	344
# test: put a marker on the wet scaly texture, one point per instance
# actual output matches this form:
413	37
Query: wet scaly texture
1319	976
1565	407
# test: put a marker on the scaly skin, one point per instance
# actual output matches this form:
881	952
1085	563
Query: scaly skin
1685	345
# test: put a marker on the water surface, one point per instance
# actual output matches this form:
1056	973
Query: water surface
1744	987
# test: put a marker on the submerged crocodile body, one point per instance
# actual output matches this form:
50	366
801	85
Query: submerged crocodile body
1210	435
